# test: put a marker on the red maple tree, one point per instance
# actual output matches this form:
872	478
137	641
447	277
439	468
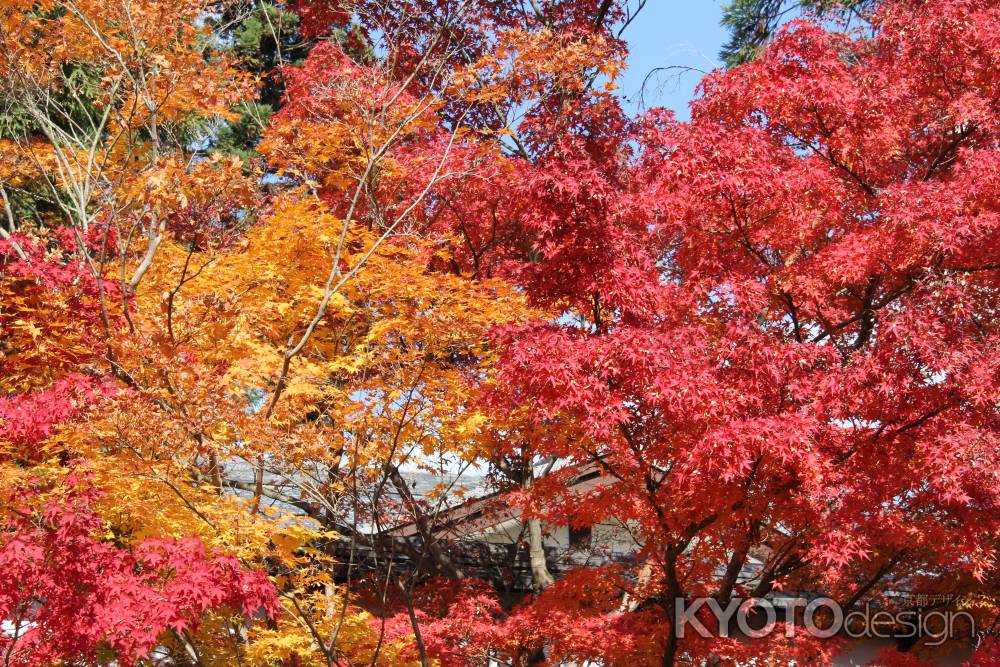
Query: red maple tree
69	593
781	340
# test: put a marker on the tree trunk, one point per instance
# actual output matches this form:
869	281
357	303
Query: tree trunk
541	578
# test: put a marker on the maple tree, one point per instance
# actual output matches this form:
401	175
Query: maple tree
68	595
786	346
258	261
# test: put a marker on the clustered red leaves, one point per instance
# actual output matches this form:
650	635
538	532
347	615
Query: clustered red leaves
30	418
70	593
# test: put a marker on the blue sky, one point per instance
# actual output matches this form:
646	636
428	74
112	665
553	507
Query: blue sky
672	33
